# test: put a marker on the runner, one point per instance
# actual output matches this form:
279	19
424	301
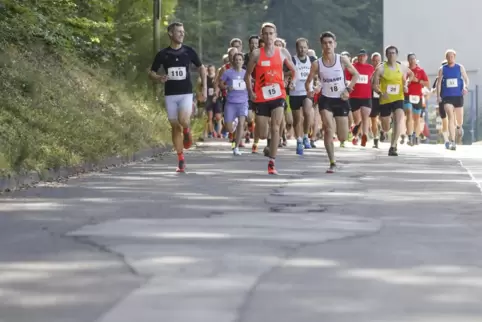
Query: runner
253	44
269	92
236	101
414	98
300	103
335	92
176	60
376	60
236	43
452	86
360	98
213	108
390	82
443	115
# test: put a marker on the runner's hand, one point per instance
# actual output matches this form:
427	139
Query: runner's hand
345	95
310	94
252	95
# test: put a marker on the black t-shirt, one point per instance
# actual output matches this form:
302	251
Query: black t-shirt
176	64
246	60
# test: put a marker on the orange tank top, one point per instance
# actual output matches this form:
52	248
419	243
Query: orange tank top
269	84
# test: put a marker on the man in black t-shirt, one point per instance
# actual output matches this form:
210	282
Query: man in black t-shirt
176	61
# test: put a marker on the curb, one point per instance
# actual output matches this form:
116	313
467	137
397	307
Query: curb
26	179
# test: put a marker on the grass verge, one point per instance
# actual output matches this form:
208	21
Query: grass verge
55	111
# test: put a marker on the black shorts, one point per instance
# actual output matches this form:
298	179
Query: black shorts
296	102
456	101
418	106
357	103
441	110
213	106
375	107
387	109
337	106
265	108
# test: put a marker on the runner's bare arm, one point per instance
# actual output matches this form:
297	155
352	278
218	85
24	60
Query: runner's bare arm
313	73
253	60
217	77
465	77
376	79
204	85
288	62
355	75
439	81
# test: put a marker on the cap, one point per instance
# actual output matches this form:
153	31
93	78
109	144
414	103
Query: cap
362	52
345	53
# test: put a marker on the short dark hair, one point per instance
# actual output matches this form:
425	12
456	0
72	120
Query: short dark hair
391	47
252	37
410	54
327	34
210	65
261	41
301	40
173	25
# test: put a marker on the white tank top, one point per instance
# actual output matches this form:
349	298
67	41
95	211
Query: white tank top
332	78
302	72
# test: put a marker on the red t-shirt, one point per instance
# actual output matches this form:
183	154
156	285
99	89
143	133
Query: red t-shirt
363	88
416	88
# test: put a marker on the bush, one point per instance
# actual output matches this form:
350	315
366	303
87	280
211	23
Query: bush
56	111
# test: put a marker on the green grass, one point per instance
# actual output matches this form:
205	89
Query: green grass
56	111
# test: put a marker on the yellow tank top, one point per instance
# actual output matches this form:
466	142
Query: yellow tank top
391	82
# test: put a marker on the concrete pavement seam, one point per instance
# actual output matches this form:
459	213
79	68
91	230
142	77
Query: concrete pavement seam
471	175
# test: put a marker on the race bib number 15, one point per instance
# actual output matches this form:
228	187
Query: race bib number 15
271	91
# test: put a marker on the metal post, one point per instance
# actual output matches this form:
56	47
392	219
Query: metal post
476	112
200	20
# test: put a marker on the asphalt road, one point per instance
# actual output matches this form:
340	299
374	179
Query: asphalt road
384	239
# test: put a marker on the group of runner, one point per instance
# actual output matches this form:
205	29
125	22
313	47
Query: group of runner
253	91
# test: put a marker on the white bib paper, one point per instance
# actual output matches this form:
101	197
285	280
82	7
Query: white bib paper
452	82
393	89
414	99
176	73
210	91
335	87
271	91
363	79
239	85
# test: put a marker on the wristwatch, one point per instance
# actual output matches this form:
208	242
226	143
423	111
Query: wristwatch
349	90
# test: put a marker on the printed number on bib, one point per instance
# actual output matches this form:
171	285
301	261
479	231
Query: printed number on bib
210	91
239	85
271	91
176	73
393	89
363	79
335	88
452	82
303	76
414	99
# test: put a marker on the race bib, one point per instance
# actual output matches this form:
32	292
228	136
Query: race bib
335	88
414	99
176	73
363	79
452	82
271	91
239	85
210	91
375	95
393	89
